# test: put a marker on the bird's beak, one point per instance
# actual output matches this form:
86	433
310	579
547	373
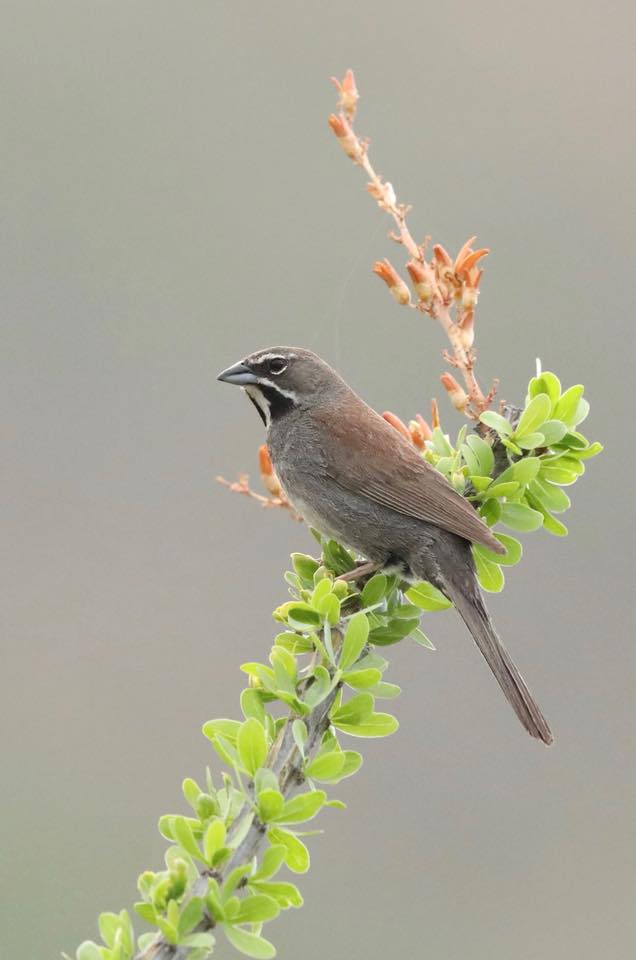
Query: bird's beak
238	374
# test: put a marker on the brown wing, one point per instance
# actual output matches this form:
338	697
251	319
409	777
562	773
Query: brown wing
399	479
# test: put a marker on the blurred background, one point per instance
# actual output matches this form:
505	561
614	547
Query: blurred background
171	199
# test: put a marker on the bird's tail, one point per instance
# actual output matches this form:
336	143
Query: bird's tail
468	601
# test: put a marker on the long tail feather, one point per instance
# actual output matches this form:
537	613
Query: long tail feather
470	605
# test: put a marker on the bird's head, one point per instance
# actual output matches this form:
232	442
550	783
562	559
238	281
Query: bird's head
279	380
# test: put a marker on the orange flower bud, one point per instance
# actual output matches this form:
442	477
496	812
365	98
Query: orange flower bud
346	137
441	256
424	427
471	260
397	424
458	397
421	280
397	287
268	475
434	413
417	436
465	250
349	95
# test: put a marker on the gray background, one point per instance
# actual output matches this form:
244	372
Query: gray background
172	198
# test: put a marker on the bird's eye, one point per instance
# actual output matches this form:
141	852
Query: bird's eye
276	365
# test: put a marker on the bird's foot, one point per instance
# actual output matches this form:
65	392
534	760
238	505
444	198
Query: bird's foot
362	571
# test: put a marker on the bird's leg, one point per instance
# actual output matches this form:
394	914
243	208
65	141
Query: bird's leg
370	566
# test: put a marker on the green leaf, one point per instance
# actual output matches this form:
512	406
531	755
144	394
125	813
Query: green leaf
299	732
480	483
354	710
213	840
535	413
490	511
552	498
523	471
484	454
302	807
559	474
440	443
329	608
489	574
355	637
362	679
296	853
252	704
512	555
88	951
497	423
301	616
227	728
386	691
374	590
252	745
554	526
377	725
270	804
531	441
502	489
566	408
518	516
251	944
146	911
257	908
108	926
190	916
326	766
546	383
284	664
319	689
427	597
393	632
286	894
232	881
185	838
353	762
337	558
553	431
592	450
271	862
304	565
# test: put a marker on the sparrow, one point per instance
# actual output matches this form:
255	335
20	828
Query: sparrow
356	479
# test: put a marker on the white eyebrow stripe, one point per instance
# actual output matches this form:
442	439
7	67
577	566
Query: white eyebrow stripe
274	356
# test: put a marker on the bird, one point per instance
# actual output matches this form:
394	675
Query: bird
356	479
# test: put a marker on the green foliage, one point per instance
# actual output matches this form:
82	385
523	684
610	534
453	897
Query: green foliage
322	680
544	452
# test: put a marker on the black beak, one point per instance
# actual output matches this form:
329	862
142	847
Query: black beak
238	374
